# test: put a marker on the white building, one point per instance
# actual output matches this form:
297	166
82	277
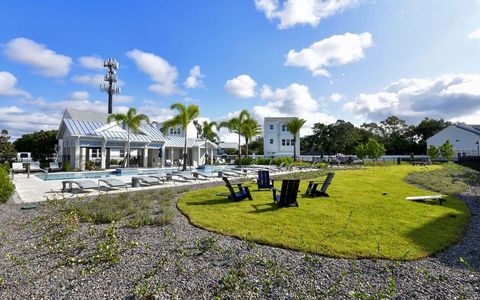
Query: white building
463	137
86	136
277	140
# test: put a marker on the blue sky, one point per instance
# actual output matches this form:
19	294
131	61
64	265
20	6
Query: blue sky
357	60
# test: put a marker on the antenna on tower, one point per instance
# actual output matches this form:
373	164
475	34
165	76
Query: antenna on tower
111	78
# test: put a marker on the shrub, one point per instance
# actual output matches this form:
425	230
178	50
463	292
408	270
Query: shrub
6	185
245	161
66	166
446	150
90	165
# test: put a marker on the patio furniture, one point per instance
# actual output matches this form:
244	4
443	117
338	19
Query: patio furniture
203	176
423	198
147	180
54	167
231	174
67	185
168	163
264	181
18	168
35	167
312	187
160	178
185	176
243	191
288	193
113	183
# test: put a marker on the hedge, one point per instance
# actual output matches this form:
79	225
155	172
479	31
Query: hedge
6	185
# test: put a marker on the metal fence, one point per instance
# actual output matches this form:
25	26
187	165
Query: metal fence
472	162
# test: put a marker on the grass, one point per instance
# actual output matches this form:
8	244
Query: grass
366	216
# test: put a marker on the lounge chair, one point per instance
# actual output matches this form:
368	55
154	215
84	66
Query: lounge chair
168	163
312	187
67	185
147	180
54	167
203	176
35	167
243	191
231	174
18	168
264	181
185	176
113	183
161	178
288	193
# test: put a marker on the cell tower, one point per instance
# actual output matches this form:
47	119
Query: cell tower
111	88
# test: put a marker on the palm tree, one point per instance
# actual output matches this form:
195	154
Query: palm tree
250	129
130	121
294	126
186	114
199	128
209	134
235	125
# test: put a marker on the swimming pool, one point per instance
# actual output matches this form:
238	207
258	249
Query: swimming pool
123	172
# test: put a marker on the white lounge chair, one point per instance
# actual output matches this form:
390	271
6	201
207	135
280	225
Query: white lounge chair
67	185
185	176
18	168
113	183
54	167
148	180
35	167
203	176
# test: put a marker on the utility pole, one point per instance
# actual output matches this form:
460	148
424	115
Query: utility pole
110	87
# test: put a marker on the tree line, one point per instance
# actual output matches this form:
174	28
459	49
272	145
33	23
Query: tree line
395	134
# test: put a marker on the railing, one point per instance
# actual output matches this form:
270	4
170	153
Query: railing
472	162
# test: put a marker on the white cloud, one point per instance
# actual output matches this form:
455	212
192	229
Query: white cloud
294	100
302	12
242	86
159	70
452	96
122	99
333	51
45	61
91	62
336	97
13	119
194	80
94	80
475	34
266	92
8	87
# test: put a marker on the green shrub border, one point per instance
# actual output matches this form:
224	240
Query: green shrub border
6	185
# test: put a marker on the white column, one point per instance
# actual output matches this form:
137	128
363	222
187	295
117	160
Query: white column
103	154
76	163
211	156
145	156
198	155
163	156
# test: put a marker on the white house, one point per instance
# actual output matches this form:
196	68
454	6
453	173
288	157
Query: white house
277	140
465	139
86	136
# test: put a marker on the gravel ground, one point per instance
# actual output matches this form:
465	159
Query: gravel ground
179	260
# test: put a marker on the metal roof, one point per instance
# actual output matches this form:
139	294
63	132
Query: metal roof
89	129
228	145
471	128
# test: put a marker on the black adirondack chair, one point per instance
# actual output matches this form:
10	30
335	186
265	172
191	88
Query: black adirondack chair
288	193
264	181
243	191
312	187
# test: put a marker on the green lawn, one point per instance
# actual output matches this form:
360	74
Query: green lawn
366	216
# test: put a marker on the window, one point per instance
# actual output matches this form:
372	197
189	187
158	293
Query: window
292	142
284	127
283	142
95	153
288	142
271	141
271	126
171	130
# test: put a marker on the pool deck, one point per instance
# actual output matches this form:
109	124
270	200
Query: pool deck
33	189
